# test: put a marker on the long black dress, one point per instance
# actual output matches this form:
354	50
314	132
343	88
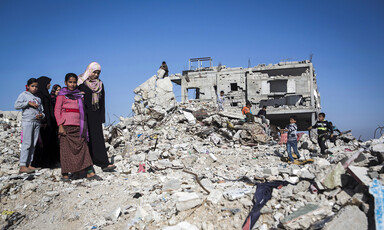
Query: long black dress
95	118
47	152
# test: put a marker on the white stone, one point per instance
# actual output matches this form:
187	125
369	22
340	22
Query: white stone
215	196
186	200
182	226
237	193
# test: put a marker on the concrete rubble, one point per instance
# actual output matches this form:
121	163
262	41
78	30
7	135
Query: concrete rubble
187	166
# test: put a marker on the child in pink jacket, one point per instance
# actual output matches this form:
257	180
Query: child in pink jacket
70	117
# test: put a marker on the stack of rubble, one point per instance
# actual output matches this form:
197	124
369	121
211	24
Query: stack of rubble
185	166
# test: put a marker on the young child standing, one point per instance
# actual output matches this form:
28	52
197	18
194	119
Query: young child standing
220	101
291	129
324	129
32	112
73	133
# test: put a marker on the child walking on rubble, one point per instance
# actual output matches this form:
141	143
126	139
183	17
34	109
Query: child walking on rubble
324	129
291	129
32	109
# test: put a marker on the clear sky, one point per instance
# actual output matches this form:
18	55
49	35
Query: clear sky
130	39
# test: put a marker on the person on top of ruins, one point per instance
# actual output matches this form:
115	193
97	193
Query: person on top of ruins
220	101
324	130
249	117
94	101
263	114
32	113
165	68
291	130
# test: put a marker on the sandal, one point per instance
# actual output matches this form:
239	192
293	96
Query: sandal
94	177
109	169
28	171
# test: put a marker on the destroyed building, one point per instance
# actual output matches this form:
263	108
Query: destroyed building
188	166
286	88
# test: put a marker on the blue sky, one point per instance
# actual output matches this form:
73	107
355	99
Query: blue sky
131	38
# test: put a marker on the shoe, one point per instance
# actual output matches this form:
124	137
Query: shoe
95	177
109	169
324	156
294	156
295	162
65	179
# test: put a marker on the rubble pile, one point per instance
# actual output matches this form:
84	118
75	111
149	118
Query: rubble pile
187	166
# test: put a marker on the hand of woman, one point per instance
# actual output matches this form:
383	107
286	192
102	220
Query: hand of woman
62	130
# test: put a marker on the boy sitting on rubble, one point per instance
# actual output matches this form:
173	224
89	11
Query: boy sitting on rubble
263	114
292	138
247	112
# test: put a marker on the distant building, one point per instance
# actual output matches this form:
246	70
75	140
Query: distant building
286	88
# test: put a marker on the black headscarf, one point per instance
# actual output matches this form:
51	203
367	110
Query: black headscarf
43	82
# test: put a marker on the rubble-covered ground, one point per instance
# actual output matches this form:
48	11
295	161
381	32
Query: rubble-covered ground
185	166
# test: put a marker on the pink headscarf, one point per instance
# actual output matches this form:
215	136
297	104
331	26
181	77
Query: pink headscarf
93	66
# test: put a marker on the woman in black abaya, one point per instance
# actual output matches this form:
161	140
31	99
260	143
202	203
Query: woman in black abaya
94	100
47	153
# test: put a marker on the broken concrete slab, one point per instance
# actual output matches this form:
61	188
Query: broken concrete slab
306	216
349	217
360	174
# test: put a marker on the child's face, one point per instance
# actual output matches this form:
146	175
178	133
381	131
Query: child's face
94	75
221	94
321	118
292	121
71	83
32	88
57	91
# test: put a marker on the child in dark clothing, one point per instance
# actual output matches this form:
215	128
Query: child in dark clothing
324	129
263	114
292	138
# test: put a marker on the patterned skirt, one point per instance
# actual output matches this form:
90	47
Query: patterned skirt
74	152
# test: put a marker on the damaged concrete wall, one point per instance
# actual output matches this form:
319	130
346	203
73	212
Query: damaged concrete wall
287	88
